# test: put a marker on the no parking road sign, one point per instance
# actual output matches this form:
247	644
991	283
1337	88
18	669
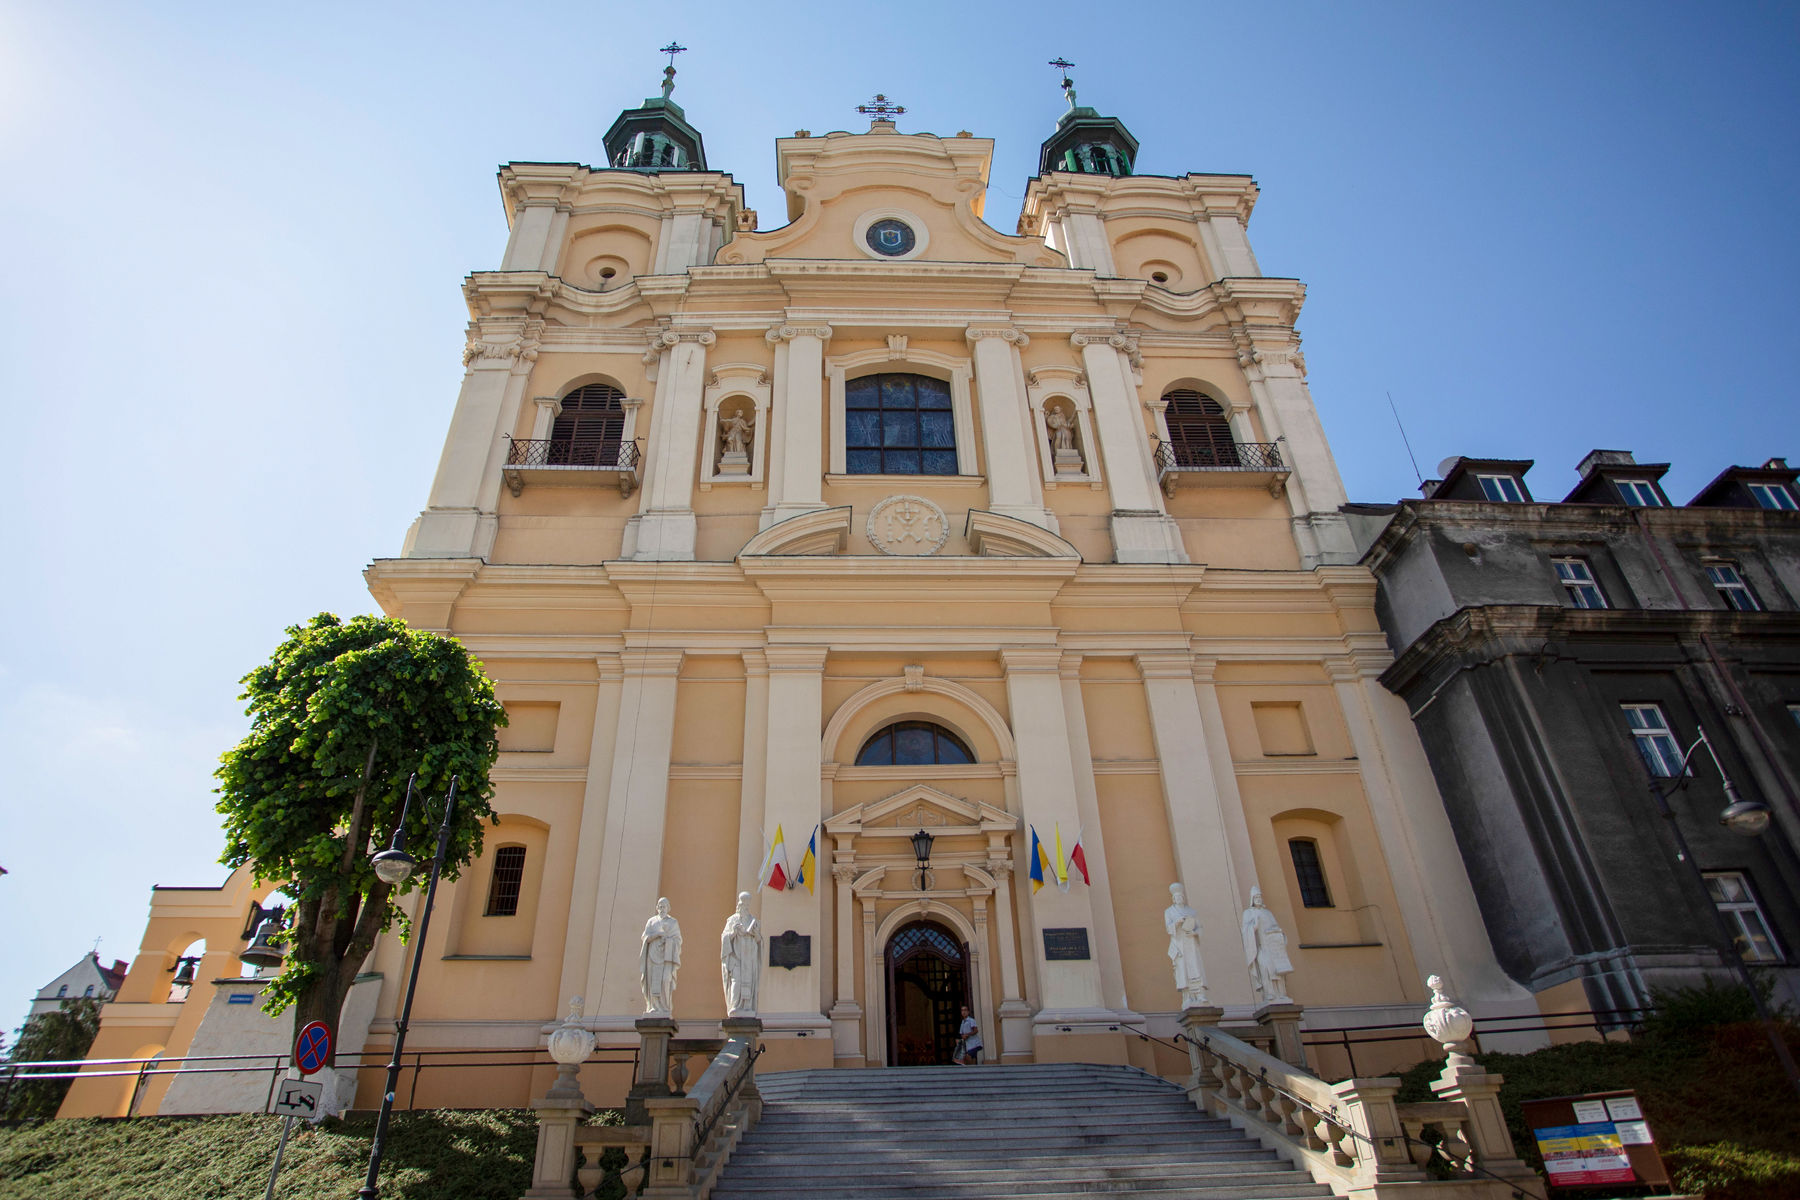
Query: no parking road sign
312	1049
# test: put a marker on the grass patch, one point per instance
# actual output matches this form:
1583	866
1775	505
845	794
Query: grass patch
437	1155
1721	1110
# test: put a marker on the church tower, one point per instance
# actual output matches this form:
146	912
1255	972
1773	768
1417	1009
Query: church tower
792	544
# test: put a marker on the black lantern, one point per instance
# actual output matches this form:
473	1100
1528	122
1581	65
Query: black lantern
921	844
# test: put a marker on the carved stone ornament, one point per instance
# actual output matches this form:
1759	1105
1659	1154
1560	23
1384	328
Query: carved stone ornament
1447	1022
517	349
571	1044
908	526
784	333
1006	333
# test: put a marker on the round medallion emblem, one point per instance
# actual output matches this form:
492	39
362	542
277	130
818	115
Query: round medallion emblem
908	525
890	237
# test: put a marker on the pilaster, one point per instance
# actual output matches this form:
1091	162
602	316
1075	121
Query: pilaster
751	776
792	801
796	470
666	525
585	884
1007	439
1087	806
1141	528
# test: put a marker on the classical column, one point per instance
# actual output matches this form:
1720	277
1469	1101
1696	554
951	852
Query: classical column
791	801
875	1034
1199	825
1007	438
631	853
1141	529
666	526
1437	903
459	520
846	1013
751	774
584	889
1087	805
1224	774
796	470
1315	491
1069	989
1015	1014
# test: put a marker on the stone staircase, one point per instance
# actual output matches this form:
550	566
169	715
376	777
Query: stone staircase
969	1133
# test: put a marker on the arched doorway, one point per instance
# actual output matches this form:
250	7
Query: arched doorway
927	983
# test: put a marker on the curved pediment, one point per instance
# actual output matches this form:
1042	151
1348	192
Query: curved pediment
821	532
993	535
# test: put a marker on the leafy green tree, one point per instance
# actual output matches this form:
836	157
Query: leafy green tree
341	715
50	1037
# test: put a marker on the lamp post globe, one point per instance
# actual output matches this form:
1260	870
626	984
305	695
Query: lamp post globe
393	866
1748	818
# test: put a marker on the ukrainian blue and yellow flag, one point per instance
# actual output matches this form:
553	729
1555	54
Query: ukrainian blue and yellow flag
1041	865
809	864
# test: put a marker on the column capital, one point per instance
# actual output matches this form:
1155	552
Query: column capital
786	333
756	661
1205	667
843	873
1165	664
1124	343
553	403
651	662
1000	868
609	666
1069	665
1027	659
1006	333
796	658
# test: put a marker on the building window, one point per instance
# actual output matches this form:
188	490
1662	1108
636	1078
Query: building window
1310	873
1657	746
913	743
1743	916
1773	495
90	990
62	991
1199	434
1578	580
588	430
1731	587
1502	489
509	877
899	425
1639	493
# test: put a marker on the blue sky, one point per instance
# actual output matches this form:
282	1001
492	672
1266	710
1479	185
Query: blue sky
234	234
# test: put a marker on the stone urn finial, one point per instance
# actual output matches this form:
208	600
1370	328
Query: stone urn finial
570	1046
1447	1022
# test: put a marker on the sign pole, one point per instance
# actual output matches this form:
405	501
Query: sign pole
287	1127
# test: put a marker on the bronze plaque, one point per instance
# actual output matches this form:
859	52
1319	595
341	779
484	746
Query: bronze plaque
790	950
1066	944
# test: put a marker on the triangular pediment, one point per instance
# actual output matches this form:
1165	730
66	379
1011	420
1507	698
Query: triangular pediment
921	806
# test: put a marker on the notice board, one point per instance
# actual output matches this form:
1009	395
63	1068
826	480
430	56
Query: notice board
1596	1140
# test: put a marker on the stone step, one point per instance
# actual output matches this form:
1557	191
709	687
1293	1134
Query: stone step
1036	1141
891	1189
1249	1154
926	1118
999	1168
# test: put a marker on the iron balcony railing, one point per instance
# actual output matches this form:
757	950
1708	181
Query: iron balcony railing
1234	456
547	455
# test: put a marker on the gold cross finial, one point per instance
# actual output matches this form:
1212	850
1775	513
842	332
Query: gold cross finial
881	108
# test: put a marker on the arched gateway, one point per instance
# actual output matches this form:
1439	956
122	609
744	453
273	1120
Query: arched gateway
927	985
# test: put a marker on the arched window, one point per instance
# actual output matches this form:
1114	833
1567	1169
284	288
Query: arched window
62	991
509	878
588	430
913	743
90	990
899	425
1199	434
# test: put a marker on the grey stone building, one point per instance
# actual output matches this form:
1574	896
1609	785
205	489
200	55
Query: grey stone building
1558	657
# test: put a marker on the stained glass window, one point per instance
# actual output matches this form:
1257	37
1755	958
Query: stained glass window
913	743
899	425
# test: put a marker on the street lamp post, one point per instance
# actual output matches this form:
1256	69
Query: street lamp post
1748	818
921	844
393	865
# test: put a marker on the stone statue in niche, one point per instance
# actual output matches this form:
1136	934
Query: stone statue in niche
1265	950
1183	927
740	959
659	959
735	433
1061	423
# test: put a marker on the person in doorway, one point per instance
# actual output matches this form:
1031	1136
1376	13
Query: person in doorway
968	1040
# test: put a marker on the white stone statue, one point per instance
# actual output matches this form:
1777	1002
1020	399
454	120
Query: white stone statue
659	959
1265	950
1183	926
734	431
740	959
1062	429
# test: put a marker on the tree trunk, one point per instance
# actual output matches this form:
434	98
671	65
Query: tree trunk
324	1000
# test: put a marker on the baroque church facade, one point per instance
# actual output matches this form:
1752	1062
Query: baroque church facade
886	520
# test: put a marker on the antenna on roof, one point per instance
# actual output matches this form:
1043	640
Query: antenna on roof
1404	442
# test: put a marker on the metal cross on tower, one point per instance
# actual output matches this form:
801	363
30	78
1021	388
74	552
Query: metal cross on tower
880	107
672	49
1068	85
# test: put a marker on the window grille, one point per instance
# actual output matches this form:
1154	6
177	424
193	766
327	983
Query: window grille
1309	872
913	743
1656	745
509	878
1639	493
1502	489
1773	495
1199	433
1743	916
1731	587
898	425
915	937
1578	580
590	427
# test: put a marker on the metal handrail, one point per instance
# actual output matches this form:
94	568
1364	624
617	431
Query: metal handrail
602	454
1235	456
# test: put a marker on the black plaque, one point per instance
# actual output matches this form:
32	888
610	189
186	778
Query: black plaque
793	949
1066	944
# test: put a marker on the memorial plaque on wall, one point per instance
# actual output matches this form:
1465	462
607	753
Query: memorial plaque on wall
790	950
1066	944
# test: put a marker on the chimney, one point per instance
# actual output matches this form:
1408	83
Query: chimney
1604	458
1775	464
119	966
1428	488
